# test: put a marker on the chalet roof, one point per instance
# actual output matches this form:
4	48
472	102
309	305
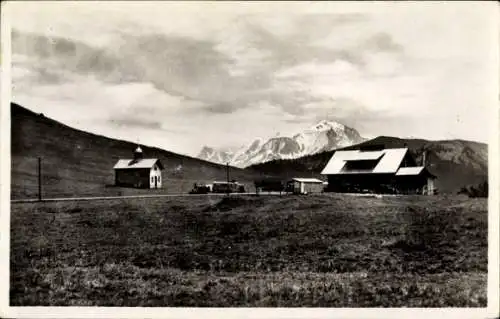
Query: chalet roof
414	171
410	170
389	160
140	163
307	180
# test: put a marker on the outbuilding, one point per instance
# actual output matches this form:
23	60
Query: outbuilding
139	172
301	185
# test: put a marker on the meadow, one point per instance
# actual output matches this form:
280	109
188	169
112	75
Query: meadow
246	251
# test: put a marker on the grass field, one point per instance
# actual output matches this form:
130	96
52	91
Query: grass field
314	251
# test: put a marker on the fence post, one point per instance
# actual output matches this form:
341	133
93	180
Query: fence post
39	179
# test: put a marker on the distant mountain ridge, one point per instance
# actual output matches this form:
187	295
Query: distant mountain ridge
456	163
324	136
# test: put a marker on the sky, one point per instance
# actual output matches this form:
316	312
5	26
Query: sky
180	76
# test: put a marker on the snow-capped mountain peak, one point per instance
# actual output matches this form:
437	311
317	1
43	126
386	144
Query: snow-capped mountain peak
324	136
327	125
215	155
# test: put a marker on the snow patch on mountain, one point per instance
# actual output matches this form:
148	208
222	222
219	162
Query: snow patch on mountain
324	136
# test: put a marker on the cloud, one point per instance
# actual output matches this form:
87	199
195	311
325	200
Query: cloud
69	54
311	27
345	110
221	107
188	66
172	64
136	122
233	76
213	71
382	42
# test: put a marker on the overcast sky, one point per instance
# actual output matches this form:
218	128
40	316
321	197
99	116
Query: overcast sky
183	75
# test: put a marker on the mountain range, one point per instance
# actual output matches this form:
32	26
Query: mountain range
324	136
79	163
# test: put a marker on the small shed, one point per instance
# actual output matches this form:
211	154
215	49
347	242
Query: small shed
301	185
138	172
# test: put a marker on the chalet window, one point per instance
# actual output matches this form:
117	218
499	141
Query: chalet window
361	165
152	179
159	178
408	161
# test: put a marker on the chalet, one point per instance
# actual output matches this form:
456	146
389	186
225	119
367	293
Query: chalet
378	171
138	172
305	185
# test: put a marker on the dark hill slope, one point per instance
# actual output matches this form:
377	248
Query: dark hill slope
456	163
78	163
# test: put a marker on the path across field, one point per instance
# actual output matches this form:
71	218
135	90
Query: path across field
89	198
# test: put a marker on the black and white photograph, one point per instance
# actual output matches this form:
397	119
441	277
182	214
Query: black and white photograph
212	155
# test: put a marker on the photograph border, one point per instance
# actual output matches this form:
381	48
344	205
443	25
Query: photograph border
490	311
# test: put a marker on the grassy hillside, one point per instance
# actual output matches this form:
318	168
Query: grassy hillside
456	163
79	163
319	251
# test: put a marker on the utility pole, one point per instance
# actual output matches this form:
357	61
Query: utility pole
227	173
39	179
